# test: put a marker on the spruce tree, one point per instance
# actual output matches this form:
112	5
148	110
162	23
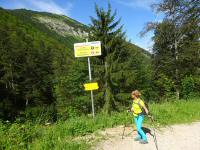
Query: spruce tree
104	28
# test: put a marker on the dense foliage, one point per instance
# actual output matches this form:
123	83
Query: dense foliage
28	61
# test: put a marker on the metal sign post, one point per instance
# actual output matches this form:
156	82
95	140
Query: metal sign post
90	78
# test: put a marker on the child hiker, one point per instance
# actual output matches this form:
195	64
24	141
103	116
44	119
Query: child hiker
138	108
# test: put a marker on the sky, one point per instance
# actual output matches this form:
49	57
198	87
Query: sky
134	14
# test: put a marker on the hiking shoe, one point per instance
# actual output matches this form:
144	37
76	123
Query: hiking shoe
137	139
144	142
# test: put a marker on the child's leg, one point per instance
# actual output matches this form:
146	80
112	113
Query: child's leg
139	127
139	136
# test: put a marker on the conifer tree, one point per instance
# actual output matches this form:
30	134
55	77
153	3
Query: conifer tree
104	28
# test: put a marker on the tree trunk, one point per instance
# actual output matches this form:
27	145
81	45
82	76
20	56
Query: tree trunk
27	102
176	71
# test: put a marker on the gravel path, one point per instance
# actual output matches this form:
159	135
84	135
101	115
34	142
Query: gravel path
176	137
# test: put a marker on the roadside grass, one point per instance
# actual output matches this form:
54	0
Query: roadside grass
176	112
63	134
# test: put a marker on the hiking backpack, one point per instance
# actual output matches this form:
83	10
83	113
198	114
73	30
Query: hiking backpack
147	106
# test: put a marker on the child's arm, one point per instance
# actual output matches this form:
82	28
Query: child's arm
146	110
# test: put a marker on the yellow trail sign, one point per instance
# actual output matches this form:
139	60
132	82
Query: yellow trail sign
91	86
87	49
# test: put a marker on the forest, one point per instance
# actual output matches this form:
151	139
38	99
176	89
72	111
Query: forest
42	82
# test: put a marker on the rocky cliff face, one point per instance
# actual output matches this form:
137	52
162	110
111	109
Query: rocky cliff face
61	27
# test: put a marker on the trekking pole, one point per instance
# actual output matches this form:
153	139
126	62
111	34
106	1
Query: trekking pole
124	126
154	134
128	111
123	131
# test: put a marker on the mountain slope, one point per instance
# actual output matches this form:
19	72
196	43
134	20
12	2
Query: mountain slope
50	24
61	24
65	29
38	67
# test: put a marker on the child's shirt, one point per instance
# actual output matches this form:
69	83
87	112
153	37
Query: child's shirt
136	107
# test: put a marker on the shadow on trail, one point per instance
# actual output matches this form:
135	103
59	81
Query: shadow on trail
147	130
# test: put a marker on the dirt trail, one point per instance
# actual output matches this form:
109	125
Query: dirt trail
176	137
